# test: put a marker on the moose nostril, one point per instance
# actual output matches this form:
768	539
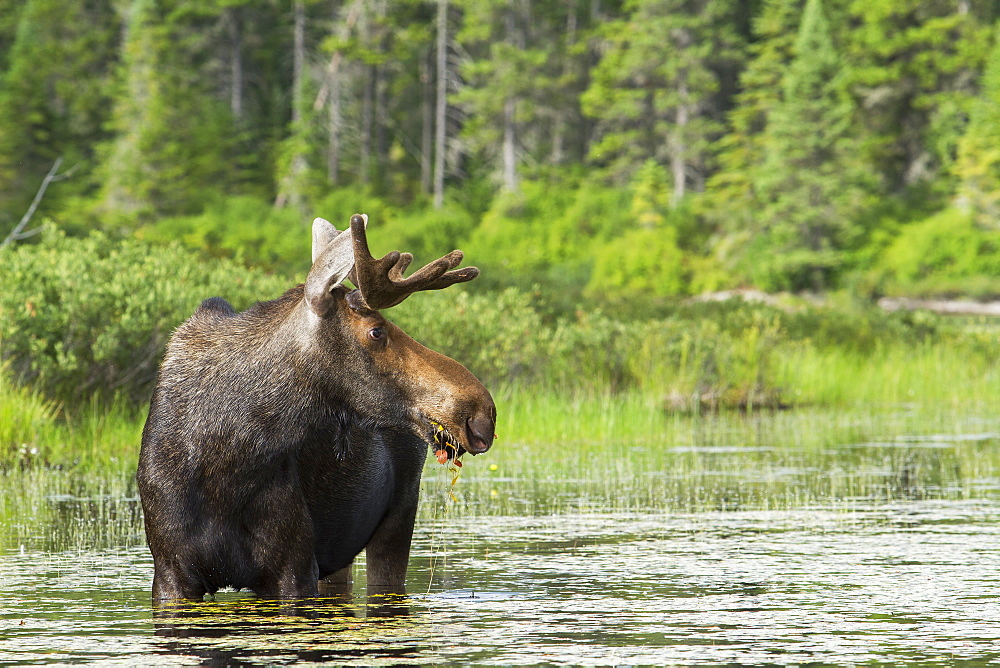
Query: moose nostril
480	433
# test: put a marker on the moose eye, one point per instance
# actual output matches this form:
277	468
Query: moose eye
376	333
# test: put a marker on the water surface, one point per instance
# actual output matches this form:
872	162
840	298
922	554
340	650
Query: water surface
780	540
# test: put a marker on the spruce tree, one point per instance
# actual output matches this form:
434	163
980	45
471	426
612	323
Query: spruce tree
512	85
914	64
978	162
730	198
174	133
54	97
812	184
654	91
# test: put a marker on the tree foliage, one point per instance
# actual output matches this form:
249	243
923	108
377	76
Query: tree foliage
811	183
978	163
785	144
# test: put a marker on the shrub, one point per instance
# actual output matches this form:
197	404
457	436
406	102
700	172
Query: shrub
427	234
91	316
244	228
944	254
513	233
643	261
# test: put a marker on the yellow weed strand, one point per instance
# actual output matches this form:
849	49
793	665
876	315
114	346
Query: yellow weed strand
456	468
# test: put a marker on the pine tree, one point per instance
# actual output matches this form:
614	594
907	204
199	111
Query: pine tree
978	163
812	184
913	68
503	81
363	123
174	132
730	196
654	92
53	98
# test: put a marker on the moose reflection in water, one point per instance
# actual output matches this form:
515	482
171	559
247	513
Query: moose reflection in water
196	629
283	440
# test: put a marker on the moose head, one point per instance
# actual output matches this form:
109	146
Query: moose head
431	394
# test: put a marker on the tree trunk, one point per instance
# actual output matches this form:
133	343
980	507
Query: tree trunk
509	148
331	90
298	60
426	124
559	128
333	130
677	164
236	63
290	191
381	139
366	124
441	108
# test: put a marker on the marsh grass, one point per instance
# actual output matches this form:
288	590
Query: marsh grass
926	374
730	461
51	509
562	454
895	421
27	419
36	432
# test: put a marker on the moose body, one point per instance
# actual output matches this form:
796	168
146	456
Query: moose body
283	440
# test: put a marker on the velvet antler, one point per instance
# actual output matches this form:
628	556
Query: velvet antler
381	281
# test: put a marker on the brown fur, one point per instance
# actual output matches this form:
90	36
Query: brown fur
283	440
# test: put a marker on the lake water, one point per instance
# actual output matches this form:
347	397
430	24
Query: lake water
776	540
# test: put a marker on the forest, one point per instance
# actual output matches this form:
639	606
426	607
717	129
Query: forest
654	147
604	162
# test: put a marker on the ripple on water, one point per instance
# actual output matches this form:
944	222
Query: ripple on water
765	587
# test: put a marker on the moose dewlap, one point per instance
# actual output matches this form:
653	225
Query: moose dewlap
283	440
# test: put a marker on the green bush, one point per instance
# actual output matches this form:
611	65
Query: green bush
243	228
427	234
589	351
514	231
946	254
254	232
80	317
643	261
90	316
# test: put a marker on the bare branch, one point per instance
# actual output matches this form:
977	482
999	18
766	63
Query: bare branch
17	233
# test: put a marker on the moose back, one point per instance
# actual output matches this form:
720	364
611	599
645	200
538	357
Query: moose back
283	440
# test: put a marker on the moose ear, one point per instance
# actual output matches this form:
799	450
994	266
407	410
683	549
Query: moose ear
331	265
323	234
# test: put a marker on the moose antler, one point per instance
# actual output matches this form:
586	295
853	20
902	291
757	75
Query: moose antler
381	281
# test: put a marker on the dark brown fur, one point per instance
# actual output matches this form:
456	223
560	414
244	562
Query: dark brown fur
281	443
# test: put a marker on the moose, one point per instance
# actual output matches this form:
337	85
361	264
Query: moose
284	439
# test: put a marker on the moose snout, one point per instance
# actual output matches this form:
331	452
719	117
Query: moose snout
479	434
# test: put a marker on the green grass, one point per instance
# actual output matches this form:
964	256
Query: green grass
926	374
569	454
527	415
36	432
849	457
